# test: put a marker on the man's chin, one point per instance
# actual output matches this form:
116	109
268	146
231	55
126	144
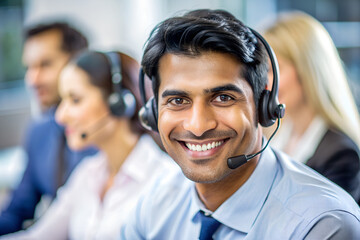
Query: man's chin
204	176
45	105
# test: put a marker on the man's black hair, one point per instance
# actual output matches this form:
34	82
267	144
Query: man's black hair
207	30
73	41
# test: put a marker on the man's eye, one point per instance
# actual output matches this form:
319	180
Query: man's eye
223	98
46	63
75	100
178	101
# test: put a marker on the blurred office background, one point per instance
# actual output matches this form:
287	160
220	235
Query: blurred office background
125	25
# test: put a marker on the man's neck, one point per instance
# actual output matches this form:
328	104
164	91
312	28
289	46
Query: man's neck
43	109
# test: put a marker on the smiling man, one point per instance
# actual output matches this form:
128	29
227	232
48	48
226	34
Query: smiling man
209	74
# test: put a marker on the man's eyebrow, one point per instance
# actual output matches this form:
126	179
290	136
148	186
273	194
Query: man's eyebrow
167	93
228	87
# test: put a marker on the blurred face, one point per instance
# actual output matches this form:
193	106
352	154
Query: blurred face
290	90
82	108
206	113
44	60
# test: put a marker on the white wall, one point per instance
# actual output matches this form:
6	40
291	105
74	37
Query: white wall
124	24
101	21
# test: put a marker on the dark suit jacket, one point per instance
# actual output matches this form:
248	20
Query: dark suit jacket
337	157
44	146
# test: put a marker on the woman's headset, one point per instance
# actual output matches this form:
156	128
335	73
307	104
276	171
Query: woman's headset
269	107
121	101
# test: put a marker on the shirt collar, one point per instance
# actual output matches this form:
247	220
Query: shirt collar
243	207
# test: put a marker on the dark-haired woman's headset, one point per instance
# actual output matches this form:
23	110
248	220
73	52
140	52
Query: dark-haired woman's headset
269	107
121	101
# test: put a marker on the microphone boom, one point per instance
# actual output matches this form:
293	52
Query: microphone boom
237	161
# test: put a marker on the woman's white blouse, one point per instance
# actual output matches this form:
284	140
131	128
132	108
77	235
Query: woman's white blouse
79	213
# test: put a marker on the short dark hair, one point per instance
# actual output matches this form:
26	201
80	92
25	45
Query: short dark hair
206	30
73	41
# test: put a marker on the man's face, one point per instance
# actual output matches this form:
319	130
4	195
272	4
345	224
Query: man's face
44	61
206	113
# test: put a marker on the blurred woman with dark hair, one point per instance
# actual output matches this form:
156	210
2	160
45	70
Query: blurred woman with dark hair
100	100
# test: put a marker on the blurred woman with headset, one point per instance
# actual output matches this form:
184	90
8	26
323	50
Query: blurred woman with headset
321	127
100	100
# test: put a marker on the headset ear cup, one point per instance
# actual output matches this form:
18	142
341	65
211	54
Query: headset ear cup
122	104
129	103
116	104
148	115
264	117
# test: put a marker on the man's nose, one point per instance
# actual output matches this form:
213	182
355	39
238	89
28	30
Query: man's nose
199	119
32	76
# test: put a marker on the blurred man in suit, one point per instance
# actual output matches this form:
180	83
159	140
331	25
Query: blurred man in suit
47	49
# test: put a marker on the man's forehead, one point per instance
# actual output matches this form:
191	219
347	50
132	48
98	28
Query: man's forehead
51	38
212	69
214	62
42	46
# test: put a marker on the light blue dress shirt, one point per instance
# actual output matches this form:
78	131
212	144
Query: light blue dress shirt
282	199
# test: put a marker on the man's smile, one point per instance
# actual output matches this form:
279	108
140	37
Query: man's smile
205	149
204	146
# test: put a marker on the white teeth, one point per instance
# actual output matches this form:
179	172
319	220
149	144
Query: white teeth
203	147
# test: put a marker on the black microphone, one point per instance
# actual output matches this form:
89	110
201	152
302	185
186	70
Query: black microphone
97	125
83	135
237	161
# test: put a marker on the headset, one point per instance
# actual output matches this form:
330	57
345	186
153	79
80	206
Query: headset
121	101
269	107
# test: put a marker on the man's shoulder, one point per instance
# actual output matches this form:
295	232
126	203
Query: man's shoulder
162	206
168	191
44	122
42	130
302	199
306	193
311	213
172	181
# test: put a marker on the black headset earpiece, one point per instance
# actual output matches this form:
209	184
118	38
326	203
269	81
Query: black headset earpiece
269	107
148	113
121	101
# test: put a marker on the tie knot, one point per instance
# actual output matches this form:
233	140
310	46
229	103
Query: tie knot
208	226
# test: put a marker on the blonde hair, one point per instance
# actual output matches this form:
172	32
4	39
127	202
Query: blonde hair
303	41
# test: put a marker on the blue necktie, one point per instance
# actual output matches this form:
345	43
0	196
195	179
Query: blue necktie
208	226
